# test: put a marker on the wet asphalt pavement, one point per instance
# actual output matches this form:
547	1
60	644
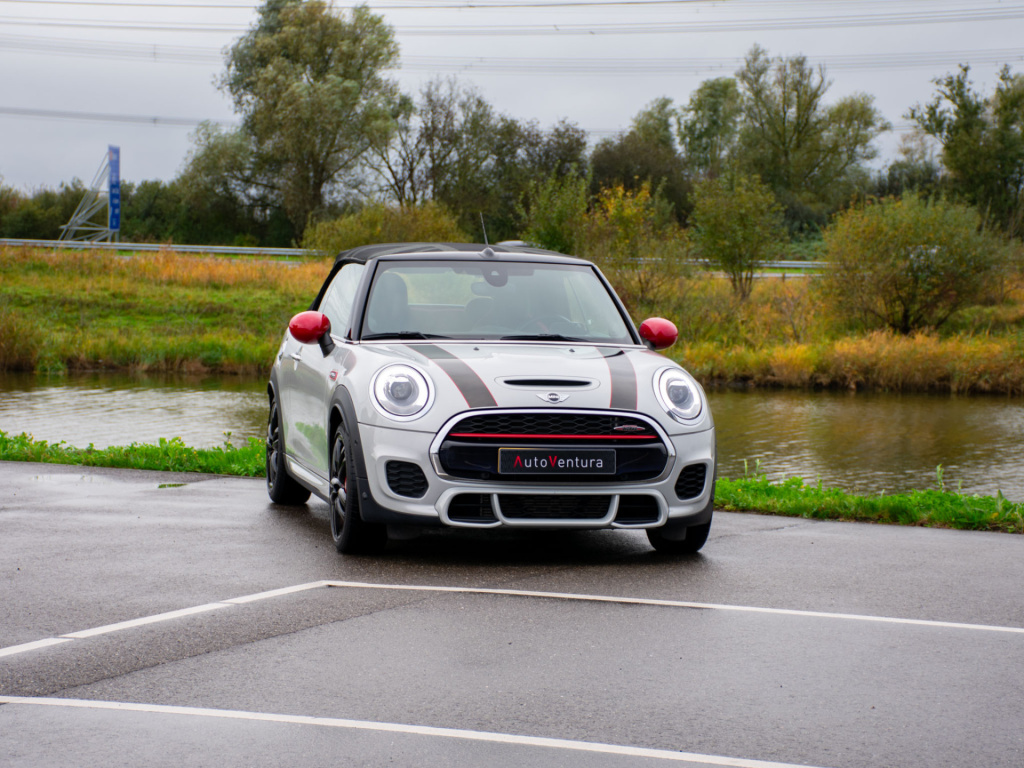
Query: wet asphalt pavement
766	649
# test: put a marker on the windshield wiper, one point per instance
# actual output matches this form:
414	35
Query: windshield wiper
403	335
542	337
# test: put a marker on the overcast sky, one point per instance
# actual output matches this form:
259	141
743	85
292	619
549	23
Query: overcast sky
78	75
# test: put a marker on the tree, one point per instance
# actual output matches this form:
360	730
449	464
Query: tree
708	126
982	142
916	170
40	215
308	82
227	196
452	147
738	226
645	155
554	210
810	155
523	153
633	237
909	264
654	123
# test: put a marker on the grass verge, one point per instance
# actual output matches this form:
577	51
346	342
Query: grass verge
929	508
791	498
168	456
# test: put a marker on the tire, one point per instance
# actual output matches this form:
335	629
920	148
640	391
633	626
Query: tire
675	539
665	541
281	487
352	535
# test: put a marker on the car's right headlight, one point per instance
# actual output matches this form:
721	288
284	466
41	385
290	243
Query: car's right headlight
678	394
402	392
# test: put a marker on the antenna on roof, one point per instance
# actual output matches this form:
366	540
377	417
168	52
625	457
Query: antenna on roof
483	227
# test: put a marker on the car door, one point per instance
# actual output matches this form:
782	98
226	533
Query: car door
310	388
311	383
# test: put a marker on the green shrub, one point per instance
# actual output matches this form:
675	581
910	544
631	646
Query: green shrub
909	264
555	211
379	223
738	226
634	238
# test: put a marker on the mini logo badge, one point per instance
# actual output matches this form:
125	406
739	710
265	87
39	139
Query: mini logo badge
554	398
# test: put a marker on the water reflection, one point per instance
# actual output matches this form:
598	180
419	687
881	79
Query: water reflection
109	409
861	442
871	443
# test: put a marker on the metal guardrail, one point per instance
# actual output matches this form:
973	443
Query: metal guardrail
221	250
215	250
797	265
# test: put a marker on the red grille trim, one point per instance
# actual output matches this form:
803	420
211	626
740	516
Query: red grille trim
506	436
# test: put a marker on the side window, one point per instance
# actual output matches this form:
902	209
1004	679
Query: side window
340	295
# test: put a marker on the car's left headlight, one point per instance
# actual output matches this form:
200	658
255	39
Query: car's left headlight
678	394
402	392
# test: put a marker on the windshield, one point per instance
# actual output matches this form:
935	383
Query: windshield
492	301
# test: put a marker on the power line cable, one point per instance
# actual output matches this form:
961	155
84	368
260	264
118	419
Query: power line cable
108	117
1001	12
505	5
604	66
192	122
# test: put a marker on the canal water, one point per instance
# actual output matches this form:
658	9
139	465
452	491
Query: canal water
865	443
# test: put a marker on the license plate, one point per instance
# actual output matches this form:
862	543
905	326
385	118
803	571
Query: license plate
555	461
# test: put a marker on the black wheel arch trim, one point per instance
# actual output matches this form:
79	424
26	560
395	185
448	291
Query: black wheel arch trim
369	508
273	396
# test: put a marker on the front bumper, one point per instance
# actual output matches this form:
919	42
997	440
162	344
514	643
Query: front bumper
681	493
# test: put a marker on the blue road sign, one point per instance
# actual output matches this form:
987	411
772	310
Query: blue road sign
114	188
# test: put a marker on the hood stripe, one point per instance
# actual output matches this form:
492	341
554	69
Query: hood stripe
471	386
623	379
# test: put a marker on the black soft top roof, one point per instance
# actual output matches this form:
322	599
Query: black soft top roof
364	253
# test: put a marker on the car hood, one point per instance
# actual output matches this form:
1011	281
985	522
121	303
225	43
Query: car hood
506	375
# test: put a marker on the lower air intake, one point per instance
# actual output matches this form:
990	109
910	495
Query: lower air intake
406	479
552	507
690	484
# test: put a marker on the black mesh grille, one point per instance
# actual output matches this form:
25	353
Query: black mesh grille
553	424
634	510
553	507
470	448
406	479
471	508
690	484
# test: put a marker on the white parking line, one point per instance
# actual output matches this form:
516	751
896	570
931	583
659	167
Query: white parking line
16	649
414	730
233	602
131	624
683	604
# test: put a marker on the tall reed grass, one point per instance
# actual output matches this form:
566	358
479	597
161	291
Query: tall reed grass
160	311
64	310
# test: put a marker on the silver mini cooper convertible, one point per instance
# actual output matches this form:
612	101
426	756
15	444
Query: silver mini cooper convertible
482	386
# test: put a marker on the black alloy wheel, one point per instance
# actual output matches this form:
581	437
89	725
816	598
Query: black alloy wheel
352	535
281	487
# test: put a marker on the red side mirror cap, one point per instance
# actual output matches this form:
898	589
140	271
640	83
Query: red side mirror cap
658	332
309	327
